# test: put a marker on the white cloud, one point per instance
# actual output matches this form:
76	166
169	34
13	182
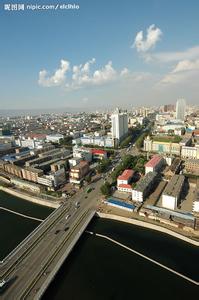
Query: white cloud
81	75
153	36
107	73
173	56
184	70
124	72
58	78
186	65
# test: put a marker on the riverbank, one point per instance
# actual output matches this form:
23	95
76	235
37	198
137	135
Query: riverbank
30	198
148	225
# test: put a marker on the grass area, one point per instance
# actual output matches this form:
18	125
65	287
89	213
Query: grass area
167	139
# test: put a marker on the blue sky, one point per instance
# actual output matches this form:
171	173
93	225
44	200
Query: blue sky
84	57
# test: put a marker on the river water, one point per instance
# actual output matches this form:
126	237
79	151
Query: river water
14	228
100	269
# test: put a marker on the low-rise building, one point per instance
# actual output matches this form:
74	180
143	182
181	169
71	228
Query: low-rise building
54	138
196	199
143	187
174	168
74	161
190	152
172	192
99	154
162	147
102	141
78	172
31	174
123	181
14	170
192	166
154	164
82	153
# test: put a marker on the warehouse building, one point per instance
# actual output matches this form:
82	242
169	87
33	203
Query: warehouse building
171	194
143	187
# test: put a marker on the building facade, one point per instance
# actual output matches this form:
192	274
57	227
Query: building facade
180	109
172	192
154	164
123	181
119	127
143	187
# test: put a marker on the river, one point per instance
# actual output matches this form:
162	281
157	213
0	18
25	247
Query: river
14	228
99	269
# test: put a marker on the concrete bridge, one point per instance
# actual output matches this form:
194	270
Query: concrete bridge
29	273
29	269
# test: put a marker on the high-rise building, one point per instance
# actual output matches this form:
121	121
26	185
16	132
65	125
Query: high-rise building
169	108
180	109
119	125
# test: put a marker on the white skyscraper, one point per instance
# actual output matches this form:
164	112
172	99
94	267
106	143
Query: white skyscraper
119	125
180	109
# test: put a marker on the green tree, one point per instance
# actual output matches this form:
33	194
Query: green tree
103	165
88	178
67	140
106	189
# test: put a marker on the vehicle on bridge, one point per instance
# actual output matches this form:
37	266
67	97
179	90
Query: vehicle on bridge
68	216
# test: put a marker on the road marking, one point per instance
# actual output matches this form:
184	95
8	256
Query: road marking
144	256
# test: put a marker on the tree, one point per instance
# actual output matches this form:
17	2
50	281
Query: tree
67	140
88	178
106	189
126	142
103	165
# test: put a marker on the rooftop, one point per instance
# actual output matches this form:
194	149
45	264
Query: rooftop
153	161
80	165
145	181
174	186
98	151
128	173
167	139
126	186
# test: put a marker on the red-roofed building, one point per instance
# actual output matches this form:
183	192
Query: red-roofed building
99	154
123	181
124	188
154	164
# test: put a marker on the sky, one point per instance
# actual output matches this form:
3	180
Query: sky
98	53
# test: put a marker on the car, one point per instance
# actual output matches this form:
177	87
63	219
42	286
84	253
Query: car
68	216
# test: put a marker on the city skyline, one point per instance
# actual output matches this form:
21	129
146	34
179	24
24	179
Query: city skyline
58	60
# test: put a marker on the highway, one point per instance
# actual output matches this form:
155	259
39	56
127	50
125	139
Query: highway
29	266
